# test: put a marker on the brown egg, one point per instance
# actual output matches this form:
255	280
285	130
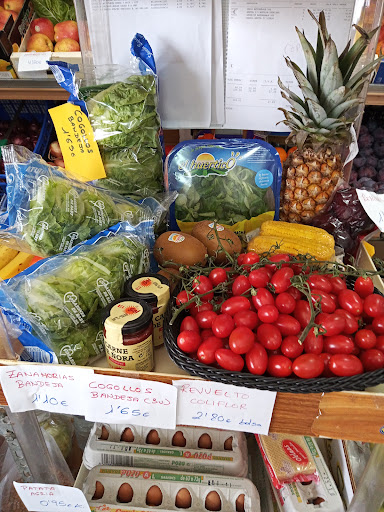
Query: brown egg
154	496
205	232
174	248
99	491
213	501
153	437
205	442
178	439
125	493
228	444
127	436
183	499
240	503
104	433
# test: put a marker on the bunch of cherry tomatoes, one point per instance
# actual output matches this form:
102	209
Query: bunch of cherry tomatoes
266	325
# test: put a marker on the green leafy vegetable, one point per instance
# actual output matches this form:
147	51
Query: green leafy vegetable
55	10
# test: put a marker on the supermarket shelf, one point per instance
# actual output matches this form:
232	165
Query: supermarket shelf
375	95
345	415
31	90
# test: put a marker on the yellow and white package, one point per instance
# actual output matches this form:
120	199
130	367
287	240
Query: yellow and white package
190	449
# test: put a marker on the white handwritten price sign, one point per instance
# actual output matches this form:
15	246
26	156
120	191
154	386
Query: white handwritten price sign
49	388
373	205
120	400
215	405
34	61
49	498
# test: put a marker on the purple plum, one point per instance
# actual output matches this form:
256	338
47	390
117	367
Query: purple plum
372	125
367	184
359	161
372	161
363	130
366	152
379	150
365	141
379	134
367	172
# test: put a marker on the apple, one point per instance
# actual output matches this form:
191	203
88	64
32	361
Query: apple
13	5
66	30
39	43
67	45
4	17
43	26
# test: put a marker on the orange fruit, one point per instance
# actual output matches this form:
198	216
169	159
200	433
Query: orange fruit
291	150
282	153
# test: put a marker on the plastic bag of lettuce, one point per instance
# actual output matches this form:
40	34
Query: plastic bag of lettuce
49	211
58	300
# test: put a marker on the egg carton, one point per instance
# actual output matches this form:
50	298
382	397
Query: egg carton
311	496
149	490
142	452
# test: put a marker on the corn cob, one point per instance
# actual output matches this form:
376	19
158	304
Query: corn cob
290	245
296	231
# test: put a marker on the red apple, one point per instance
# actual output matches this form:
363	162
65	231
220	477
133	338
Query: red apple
13	5
39	43
43	26
4	17
66	30
67	45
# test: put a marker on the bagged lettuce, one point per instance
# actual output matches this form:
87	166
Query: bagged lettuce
49	212
59	299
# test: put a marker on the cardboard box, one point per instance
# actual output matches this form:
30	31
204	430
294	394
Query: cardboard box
13	32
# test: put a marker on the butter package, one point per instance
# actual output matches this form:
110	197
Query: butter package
116	489
235	182
190	449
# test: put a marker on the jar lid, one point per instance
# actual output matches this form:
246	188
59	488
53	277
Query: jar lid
148	287
131	315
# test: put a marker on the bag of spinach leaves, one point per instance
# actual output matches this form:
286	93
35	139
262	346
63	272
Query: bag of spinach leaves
234	181
48	211
58	300
122	108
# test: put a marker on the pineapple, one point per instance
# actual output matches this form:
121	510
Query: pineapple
321	121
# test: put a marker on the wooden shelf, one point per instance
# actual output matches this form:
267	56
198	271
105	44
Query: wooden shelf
342	415
375	95
32	90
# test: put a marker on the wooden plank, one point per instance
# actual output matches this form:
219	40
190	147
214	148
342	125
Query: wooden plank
10	91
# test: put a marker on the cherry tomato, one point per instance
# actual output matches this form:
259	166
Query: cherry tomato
223	325
281	280
189	324
338	284
268	314
188	341
328	305
262	297
269	336
257	359
380	343
217	276
372	359
296	294
204	319
374	305
364	286
302	313
285	303
206	306
246	319
287	325
240	258
365	339
183	297
378	324
291	347
277	258
259	278
201	284
250	258
206	351
235	304
351	302
313	344
332	324
206	333
345	365
308	366
318	282
326	358
338	344
229	360
279	366
351	323
241	340
297	268
241	285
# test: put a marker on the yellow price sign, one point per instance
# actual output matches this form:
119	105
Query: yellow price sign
77	142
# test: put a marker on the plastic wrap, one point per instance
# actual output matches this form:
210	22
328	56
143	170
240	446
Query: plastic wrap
9	499
60	427
59	299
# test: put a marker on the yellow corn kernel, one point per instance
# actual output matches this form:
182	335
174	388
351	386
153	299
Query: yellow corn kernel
290	245
292	230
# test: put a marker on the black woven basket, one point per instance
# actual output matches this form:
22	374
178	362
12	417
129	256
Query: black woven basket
284	385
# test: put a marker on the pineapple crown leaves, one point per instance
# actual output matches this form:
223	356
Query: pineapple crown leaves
330	89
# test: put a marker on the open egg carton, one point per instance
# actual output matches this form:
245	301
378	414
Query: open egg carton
116	489
190	449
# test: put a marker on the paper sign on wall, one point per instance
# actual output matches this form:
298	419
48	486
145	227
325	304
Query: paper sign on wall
49	388
215	405
77	142
46	497
134	401
373	205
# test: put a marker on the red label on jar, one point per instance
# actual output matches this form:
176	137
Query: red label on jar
295	452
